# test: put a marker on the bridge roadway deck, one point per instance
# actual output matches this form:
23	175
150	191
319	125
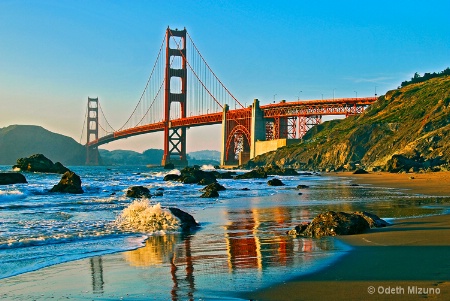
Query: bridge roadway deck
339	106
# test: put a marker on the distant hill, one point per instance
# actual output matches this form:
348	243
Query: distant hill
18	141
410	124
128	157
212	155
154	157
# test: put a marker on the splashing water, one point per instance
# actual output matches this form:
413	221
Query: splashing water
141	216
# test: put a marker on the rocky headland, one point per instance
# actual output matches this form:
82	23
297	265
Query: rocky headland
406	130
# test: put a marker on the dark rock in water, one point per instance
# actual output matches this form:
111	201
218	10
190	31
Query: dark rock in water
224	175
12	178
210	194
372	219
40	163
169	166
275	170
207	181
354	185
360	172
245	189
171	177
160	188
70	183
189	179
138	192
275	182
194	175
338	223
300	186
257	173
214	186
158	193
187	221
212	190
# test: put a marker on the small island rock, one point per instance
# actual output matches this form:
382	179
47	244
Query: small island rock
70	183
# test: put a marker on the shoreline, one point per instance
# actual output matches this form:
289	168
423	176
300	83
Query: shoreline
431	184
410	254
405	261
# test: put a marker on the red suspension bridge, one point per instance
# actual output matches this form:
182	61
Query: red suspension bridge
170	103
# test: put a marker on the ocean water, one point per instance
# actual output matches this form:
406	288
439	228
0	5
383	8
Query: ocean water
241	244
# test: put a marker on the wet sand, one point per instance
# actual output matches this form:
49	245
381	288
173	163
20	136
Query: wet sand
406	261
433	183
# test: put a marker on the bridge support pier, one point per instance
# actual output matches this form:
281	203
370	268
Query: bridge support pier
258	127
175	138
223	152
92	155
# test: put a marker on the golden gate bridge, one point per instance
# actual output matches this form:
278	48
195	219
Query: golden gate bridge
171	104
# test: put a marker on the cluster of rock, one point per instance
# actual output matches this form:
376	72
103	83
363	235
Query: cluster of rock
338	223
40	163
194	175
416	163
69	183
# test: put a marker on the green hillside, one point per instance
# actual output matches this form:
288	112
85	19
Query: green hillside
18	141
412	122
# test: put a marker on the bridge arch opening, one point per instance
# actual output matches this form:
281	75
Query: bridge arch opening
238	143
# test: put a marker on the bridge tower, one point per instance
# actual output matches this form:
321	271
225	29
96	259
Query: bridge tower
92	131
175	138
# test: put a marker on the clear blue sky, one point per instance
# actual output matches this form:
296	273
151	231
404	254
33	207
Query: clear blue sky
54	54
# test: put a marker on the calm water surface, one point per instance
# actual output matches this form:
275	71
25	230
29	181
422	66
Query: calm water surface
241	246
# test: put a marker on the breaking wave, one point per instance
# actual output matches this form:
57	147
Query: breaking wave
141	216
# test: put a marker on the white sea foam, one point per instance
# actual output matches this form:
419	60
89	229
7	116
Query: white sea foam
8	195
141	216
207	167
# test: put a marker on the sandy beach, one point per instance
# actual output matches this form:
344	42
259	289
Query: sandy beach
406	261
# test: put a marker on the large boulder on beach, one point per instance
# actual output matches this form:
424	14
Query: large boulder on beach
373	220
187	221
138	192
338	223
7	178
360	172
70	183
40	163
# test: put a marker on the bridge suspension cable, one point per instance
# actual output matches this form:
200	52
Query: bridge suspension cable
147	100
